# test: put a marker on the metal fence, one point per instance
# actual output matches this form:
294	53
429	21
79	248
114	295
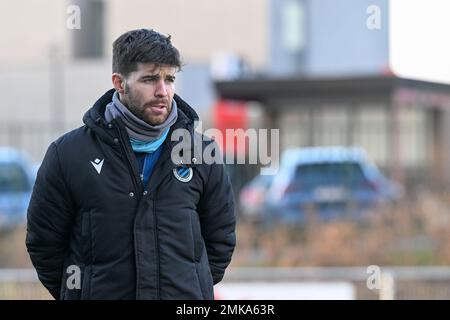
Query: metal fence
21	284
396	282
31	137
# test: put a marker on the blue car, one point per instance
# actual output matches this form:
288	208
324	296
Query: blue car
327	183
16	182
253	196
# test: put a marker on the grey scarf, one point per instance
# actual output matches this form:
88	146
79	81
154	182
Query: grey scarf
138	129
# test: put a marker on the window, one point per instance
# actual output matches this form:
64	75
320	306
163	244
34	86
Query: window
293	33
87	42
13	178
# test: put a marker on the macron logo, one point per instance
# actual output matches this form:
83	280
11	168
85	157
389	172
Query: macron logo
97	163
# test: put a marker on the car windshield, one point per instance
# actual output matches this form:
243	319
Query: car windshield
13	178
262	181
338	173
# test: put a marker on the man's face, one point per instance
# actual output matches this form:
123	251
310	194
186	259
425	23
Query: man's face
148	92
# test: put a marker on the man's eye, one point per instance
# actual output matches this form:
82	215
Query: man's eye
171	80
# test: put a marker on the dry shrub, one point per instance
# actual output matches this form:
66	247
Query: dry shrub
414	231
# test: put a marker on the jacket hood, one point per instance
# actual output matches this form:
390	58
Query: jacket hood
94	118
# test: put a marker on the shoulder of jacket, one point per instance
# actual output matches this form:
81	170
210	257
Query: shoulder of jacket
71	137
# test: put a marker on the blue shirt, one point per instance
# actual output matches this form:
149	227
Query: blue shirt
147	163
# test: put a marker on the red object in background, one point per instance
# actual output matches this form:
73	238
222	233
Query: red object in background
231	114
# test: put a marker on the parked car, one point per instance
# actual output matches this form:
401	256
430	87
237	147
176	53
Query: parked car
327	183
253	196
16	182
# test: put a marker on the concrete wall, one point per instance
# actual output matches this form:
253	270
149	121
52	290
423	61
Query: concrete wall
331	37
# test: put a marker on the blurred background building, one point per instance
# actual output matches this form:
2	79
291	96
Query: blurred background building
330	82
331	62
369	73
53	71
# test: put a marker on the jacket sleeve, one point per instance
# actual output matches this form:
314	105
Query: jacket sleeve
48	222
218	221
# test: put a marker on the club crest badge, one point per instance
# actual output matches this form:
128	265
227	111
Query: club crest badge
183	174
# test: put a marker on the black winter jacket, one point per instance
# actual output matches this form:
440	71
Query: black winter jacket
170	240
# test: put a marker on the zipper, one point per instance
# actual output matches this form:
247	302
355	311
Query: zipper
158	267
138	192
143	170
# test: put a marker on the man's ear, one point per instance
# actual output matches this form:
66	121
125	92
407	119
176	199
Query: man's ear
118	82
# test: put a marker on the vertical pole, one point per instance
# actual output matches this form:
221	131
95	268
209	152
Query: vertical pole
394	141
56	77
387	290
352	113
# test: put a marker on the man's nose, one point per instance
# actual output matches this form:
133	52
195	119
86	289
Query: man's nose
161	90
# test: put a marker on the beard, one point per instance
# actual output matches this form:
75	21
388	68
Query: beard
137	107
132	104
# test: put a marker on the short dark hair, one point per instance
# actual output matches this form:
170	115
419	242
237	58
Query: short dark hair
143	46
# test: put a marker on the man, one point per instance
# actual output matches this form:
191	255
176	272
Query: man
109	205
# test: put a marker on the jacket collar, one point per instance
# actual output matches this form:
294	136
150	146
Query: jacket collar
94	118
